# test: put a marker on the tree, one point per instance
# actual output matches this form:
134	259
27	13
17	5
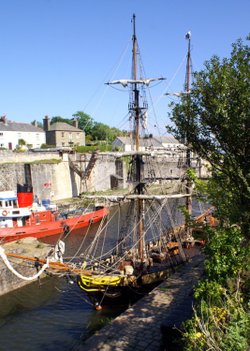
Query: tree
56	119
37	124
215	119
101	131
85	122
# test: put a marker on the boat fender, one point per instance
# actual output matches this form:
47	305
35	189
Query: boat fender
59	251
91	221
98	307
4	213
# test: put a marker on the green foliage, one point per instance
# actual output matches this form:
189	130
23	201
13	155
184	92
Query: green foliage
98	147
215	120
85	122
38	124
56	119
221	321
224	328
47	146
93	130
201	186
21	142
210	290
101	131
53	161
227	254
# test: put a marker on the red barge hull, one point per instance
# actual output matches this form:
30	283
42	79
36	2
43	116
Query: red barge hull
44	224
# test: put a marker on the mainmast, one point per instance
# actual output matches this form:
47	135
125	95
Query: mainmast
188	152
135	90
137	114
138	158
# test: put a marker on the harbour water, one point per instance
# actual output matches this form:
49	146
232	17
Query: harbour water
55	316
50	318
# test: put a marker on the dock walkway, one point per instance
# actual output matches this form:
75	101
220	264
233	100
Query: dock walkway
139	327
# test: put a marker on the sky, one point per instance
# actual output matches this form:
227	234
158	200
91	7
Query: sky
56	55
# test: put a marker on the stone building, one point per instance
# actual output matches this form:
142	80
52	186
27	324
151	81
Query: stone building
63	134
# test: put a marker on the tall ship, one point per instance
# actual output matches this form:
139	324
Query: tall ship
147	249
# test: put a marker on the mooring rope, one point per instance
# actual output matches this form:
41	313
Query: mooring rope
12	269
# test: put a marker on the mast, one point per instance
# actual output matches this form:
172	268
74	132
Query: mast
138	158
135	90
137	114
188	152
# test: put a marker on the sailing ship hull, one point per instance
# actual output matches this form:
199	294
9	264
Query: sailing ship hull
122	289
51	226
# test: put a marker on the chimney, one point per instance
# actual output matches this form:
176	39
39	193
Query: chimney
46	123
75	122
3	119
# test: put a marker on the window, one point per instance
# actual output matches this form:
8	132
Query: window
62	134
1	134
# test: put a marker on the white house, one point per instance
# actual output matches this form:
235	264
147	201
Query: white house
12	132
166	144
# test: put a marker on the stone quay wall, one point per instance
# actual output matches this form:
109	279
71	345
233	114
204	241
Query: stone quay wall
58	180
30	247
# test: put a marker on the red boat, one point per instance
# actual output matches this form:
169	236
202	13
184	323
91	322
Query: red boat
21	218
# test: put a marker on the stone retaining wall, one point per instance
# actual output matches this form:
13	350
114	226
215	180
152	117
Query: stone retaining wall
27	247
57	181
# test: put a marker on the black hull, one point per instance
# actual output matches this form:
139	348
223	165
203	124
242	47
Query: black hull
123	294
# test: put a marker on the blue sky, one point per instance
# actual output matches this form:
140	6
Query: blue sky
57	54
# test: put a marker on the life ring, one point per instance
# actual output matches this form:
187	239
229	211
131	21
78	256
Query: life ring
4	213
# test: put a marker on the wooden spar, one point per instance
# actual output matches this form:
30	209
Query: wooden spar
136	196
59	266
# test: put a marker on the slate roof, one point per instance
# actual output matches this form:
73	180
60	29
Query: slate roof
154	141
167	139
61	126
19	127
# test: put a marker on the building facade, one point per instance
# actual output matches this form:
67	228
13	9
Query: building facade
14	134
62	134
166	144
